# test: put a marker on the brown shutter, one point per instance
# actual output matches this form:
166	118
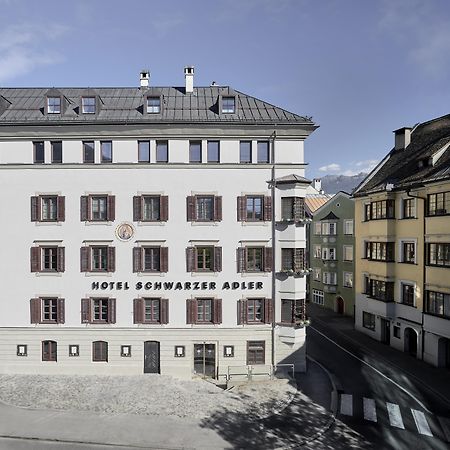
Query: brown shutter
190	208
61	209
242	312
299	208
267	208
164	259
217	310
111	259
240	259
84	208
137	259
61	265
217	259
138	310
268	310
35	259
164	311
85	259
190	259
299	259
35	204
241	209
137	208
217	208
268	263
164	208
35	310
111	208
111	310
85	310
60	311
191	310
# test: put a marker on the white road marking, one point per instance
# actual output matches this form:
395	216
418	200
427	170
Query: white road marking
347	404
395	416
421	422
375	369
370	410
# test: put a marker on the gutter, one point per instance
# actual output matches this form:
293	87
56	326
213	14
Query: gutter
272	193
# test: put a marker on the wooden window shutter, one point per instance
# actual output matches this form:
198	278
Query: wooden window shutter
217	259
217	208
190	259
164	259
85	310
111	211
242	312
299	208
85	254
111	259
191	310
61	208
190	208
138	310
267	208
84	208
268	263
164	311
60	262
217	310
35	259
299	259
241	209
240	259
164	208
60	311
35	310
137	208
137	259
111	310
268	310
35	209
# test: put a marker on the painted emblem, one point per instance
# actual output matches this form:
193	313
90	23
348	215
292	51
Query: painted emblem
125	231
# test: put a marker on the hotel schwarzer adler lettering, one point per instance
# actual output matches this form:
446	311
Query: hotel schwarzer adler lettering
154	230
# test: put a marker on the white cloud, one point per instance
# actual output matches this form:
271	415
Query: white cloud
354	168
333	167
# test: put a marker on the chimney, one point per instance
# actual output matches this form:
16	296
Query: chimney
189	78
145	78
317	184
402	138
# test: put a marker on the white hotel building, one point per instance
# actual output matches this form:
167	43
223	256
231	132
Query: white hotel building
153	229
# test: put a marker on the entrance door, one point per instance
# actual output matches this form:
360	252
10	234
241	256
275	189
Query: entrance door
444	353
205	360
385	331
340	305
411	341
151	357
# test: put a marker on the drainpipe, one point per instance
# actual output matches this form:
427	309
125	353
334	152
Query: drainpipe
272	193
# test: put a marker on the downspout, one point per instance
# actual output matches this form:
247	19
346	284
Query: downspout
272	193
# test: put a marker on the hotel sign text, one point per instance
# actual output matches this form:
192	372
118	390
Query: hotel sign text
176	285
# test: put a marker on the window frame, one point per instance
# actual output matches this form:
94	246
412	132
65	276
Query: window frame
151	199
104	160
53	106
379	210
241	150
383	251
408	294
210	149
201	304
256	353
100	354
444	203
368	320
52	352
42	199
199	199
408	208
153	108
102	215
439	248
194	147
38	146
162	146
87	148
251	305
252	217
85	108
345	250
228	105
345	278
54	147
441	301
261	158
406	252
348	223
318	297
147	151
151	249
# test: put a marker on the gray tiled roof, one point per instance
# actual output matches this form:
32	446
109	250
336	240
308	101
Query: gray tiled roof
402	168
19	105
293	178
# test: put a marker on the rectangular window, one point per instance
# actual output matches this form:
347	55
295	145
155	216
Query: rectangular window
153	105
255	208
204	258
151	259
348	279
263	152
106	151
293	311
88	152
438	204
408	252
98	258
292	208
204	310
99	261
408	208
254	259
213	151
256	352
438	254
318	297
152	307
329	229
317	274
50	310
162	151
195	152
438	304
330	278
49	351
49	208
348	227
245	152
204	207
144	151
382	209
47	310
293	259
228	105
100	351
38	152
348	252
100	309
317	251
255	310
368	320
380	251
49	257
88	105
317	228
99	208
328	254
54	105
407	294
56	152
379	290
151	211
255	262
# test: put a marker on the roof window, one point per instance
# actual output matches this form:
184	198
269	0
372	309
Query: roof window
88	105
54	105
153	105
228	105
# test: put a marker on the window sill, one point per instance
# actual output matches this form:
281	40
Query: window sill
98	274
47	223
409	263
151	223
97	222
255	274
209	273
49	274
208	223
151	274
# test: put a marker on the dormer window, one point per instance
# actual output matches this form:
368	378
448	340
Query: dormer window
153	105
88	105
228	105
54	105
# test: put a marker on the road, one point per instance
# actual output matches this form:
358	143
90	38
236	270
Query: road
378	402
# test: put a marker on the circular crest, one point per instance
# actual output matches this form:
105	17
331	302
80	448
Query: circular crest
125	231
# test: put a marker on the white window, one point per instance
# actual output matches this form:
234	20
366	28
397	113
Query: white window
317	251
348	226
348	252
317	297
330	278
348	279
88	105
317	274
153	105
329	228
329	253
317	228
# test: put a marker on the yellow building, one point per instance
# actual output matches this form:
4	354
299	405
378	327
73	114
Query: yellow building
402	245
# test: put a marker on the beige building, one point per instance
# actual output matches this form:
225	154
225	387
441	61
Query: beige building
402	245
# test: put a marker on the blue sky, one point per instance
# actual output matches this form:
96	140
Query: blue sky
360	68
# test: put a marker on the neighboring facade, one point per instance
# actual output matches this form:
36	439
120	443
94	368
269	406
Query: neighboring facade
402	222
153	230
331	249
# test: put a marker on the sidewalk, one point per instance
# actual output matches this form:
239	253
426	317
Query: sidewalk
306	417
437	380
